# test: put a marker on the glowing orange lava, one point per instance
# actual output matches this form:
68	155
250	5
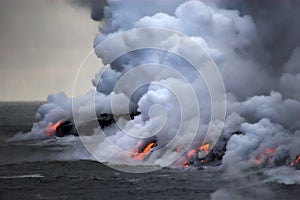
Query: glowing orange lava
140	156
267	153
52	127
191	153
204	147
297	159
186	164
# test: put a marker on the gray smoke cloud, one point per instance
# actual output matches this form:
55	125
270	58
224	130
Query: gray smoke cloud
96	6
277	25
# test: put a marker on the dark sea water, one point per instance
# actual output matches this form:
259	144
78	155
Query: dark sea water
49	169
16	117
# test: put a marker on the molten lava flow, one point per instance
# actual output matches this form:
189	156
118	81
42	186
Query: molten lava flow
267	153
140	156
204	147
186	164
297	161
191	153
52	127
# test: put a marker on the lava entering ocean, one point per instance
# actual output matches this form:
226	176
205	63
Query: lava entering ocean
197	155
52	127
140	154
261	87
265	156
296	163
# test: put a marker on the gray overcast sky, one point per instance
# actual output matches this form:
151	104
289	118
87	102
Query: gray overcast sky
42	43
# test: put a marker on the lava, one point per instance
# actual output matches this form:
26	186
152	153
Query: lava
140	156
52	127
297	161
186	164
265	154
192	152
204	147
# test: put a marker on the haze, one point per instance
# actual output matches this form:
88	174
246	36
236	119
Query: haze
42	44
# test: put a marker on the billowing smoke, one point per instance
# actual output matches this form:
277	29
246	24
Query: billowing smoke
256	48
277	25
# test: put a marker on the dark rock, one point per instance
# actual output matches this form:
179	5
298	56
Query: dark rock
66	128
104	120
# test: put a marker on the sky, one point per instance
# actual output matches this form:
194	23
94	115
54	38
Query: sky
42	43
